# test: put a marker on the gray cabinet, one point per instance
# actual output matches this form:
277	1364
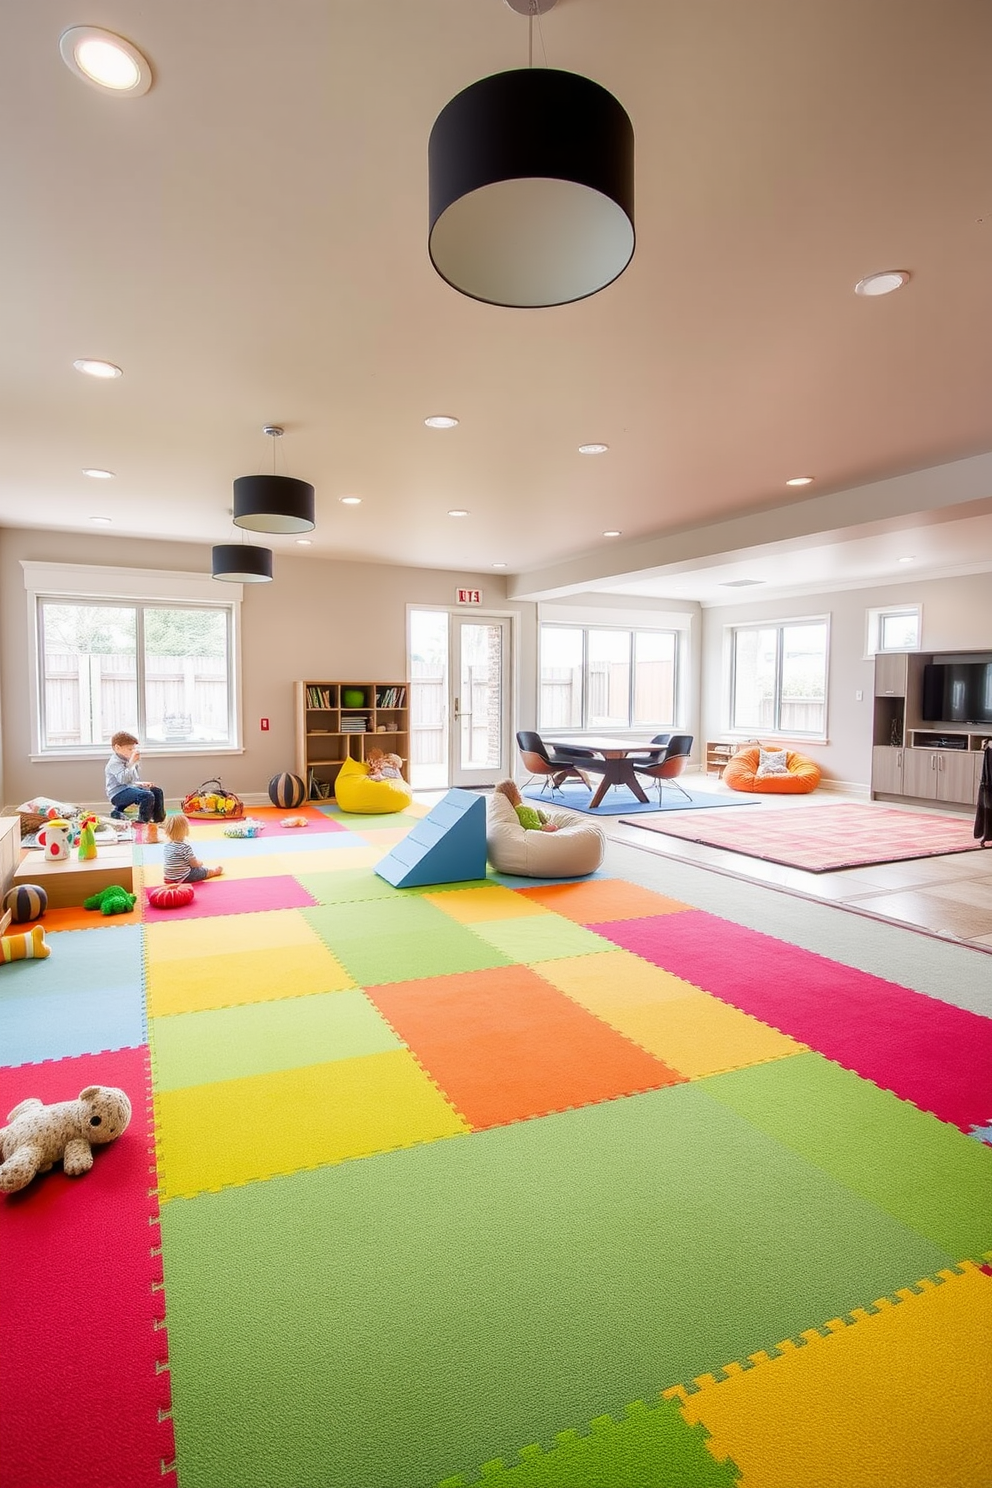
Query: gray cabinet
891	674
939	775
887	770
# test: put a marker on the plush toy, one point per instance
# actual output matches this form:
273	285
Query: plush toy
114	899
294	821
30	946
87	838
247	828
171	896
39	1136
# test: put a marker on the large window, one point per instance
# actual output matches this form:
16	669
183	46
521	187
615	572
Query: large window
604	677
162	671
779	678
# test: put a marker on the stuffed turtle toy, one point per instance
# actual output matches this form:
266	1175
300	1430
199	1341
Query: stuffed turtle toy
39	1136
114	899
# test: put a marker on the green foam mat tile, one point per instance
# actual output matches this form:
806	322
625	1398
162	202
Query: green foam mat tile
652	1447
545	937
393	913
415	1314
414	942
387	821
357	884
925	1173
258	1038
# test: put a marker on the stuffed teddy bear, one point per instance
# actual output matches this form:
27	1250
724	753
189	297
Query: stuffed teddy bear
39	1135
112	900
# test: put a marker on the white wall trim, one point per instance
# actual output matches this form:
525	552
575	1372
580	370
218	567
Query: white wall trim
85	579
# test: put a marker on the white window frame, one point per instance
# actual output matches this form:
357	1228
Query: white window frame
71	582
874	621
738	730
585	626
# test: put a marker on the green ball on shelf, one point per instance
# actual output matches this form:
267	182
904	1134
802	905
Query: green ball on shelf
353	697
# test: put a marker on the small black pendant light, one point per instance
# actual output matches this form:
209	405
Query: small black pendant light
239	563
273	503
531	186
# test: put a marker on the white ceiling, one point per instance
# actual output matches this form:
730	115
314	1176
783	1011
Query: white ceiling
248	241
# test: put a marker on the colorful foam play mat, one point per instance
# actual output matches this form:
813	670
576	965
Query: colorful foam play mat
504	1183
823	838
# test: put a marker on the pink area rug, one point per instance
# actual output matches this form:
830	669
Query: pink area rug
80	1367
219	896
821	839
925	1051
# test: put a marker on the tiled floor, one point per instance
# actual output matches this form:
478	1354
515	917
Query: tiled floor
949	896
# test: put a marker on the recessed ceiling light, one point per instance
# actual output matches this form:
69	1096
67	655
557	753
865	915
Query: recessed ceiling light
907	560
99	474
105	61
499	565
800	480
739	583
613	532
441	421
883	283
458	511
304	542
350	500
593	449
101	519
94	368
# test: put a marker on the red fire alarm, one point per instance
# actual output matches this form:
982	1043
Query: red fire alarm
265	725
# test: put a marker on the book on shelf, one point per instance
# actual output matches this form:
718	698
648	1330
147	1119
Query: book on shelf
354	725
391	697
318	697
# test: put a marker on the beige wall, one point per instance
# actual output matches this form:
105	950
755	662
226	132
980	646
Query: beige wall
957	616
317	619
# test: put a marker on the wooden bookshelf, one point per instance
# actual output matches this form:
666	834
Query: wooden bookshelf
718	756
332	726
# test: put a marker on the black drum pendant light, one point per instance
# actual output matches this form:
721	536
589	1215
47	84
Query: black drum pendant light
531	186
239	563
273	503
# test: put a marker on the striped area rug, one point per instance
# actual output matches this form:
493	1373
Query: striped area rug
531	1186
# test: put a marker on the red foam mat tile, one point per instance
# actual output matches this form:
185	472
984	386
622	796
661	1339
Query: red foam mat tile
81	1305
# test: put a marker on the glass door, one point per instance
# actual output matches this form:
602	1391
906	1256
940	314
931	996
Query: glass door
479	686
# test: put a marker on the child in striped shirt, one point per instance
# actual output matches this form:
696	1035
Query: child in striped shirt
180	864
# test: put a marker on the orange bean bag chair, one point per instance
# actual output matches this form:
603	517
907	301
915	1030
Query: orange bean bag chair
803	774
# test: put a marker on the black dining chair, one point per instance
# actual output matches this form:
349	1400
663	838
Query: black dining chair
554	767
653	756
672	762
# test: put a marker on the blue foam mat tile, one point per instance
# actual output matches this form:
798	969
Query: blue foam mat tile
85	997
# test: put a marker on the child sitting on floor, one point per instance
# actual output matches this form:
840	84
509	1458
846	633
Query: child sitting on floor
529	817
180	864
384	766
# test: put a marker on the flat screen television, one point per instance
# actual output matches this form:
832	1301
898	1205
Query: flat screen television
957	692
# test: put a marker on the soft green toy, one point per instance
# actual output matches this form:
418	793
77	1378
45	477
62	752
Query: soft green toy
530	819
112	900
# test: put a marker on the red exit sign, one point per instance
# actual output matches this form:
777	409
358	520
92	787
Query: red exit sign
469	596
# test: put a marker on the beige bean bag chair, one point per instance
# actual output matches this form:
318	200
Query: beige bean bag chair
577	848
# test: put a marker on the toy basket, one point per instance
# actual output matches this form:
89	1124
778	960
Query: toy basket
212	801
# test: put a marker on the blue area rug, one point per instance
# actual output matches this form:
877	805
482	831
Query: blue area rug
621	801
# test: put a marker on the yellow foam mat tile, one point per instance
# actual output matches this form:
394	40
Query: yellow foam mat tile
239	1131
178	940
898	1398
269	866
191	985
493	902
613	980
700	1035
337	860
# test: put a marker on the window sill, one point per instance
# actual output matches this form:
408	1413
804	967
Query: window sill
51	757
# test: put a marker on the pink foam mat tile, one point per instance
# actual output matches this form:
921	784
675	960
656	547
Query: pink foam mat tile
272	818
220	896
83	1367
926	1051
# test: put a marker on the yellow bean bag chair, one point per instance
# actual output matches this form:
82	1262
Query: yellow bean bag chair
354	791
802	774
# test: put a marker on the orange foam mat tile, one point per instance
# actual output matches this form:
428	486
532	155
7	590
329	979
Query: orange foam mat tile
896	1398
602	899
504	1046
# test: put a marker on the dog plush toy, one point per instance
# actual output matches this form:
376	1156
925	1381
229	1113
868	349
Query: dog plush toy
39	1136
